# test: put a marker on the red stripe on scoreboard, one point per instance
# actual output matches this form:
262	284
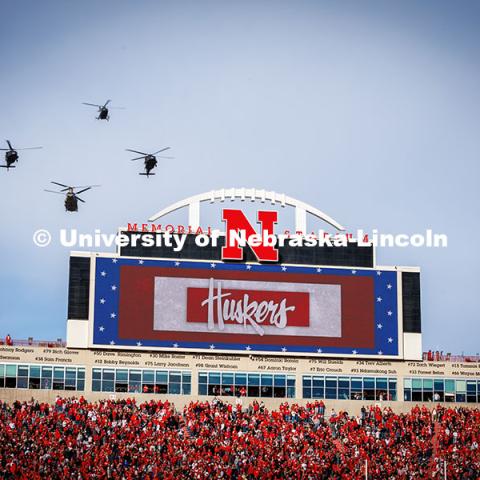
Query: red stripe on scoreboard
298	302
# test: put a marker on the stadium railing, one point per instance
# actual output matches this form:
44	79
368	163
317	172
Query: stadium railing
30	342
448	357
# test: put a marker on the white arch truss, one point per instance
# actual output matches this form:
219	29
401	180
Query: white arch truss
244	194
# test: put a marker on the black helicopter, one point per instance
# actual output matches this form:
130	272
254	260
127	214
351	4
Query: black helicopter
11	154
102	110
150	159
71	197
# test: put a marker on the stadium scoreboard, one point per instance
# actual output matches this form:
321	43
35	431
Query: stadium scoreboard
148	303
311	301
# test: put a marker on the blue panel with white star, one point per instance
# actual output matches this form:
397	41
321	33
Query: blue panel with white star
107	294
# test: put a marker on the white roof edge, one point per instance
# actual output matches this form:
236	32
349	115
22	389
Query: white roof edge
80	253
401	268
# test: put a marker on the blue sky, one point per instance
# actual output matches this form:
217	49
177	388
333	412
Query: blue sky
366	110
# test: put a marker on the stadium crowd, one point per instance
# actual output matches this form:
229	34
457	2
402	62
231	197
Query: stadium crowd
125	440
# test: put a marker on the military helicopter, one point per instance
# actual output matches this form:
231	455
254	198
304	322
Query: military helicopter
102	110
71	197
150	159
11	154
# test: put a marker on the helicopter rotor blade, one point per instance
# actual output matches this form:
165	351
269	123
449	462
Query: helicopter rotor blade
91	105
165	157
9	144
51	191
136	151
84	190
138	158
162	150
78	198
60	184
29	148
85	186
106	103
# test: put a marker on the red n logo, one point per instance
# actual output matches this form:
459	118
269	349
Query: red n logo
237	221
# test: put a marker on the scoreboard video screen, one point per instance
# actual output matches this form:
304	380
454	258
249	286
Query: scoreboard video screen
240	308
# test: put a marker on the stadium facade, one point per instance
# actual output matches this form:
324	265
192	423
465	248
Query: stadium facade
291	323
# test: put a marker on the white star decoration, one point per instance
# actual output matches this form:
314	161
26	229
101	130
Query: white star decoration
177	264
140	262
248	347
113	315
389	313
103	274
379	326
380	352
379	273
284	269
212	265
319	270
114	260
101	328
390	340
139	344
249	267
379	299
354	352
284	349
319	350
175	345
212	346
354	272
102	301
112	343
114	287
389	286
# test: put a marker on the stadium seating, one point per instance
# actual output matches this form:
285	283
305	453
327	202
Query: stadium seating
122	439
